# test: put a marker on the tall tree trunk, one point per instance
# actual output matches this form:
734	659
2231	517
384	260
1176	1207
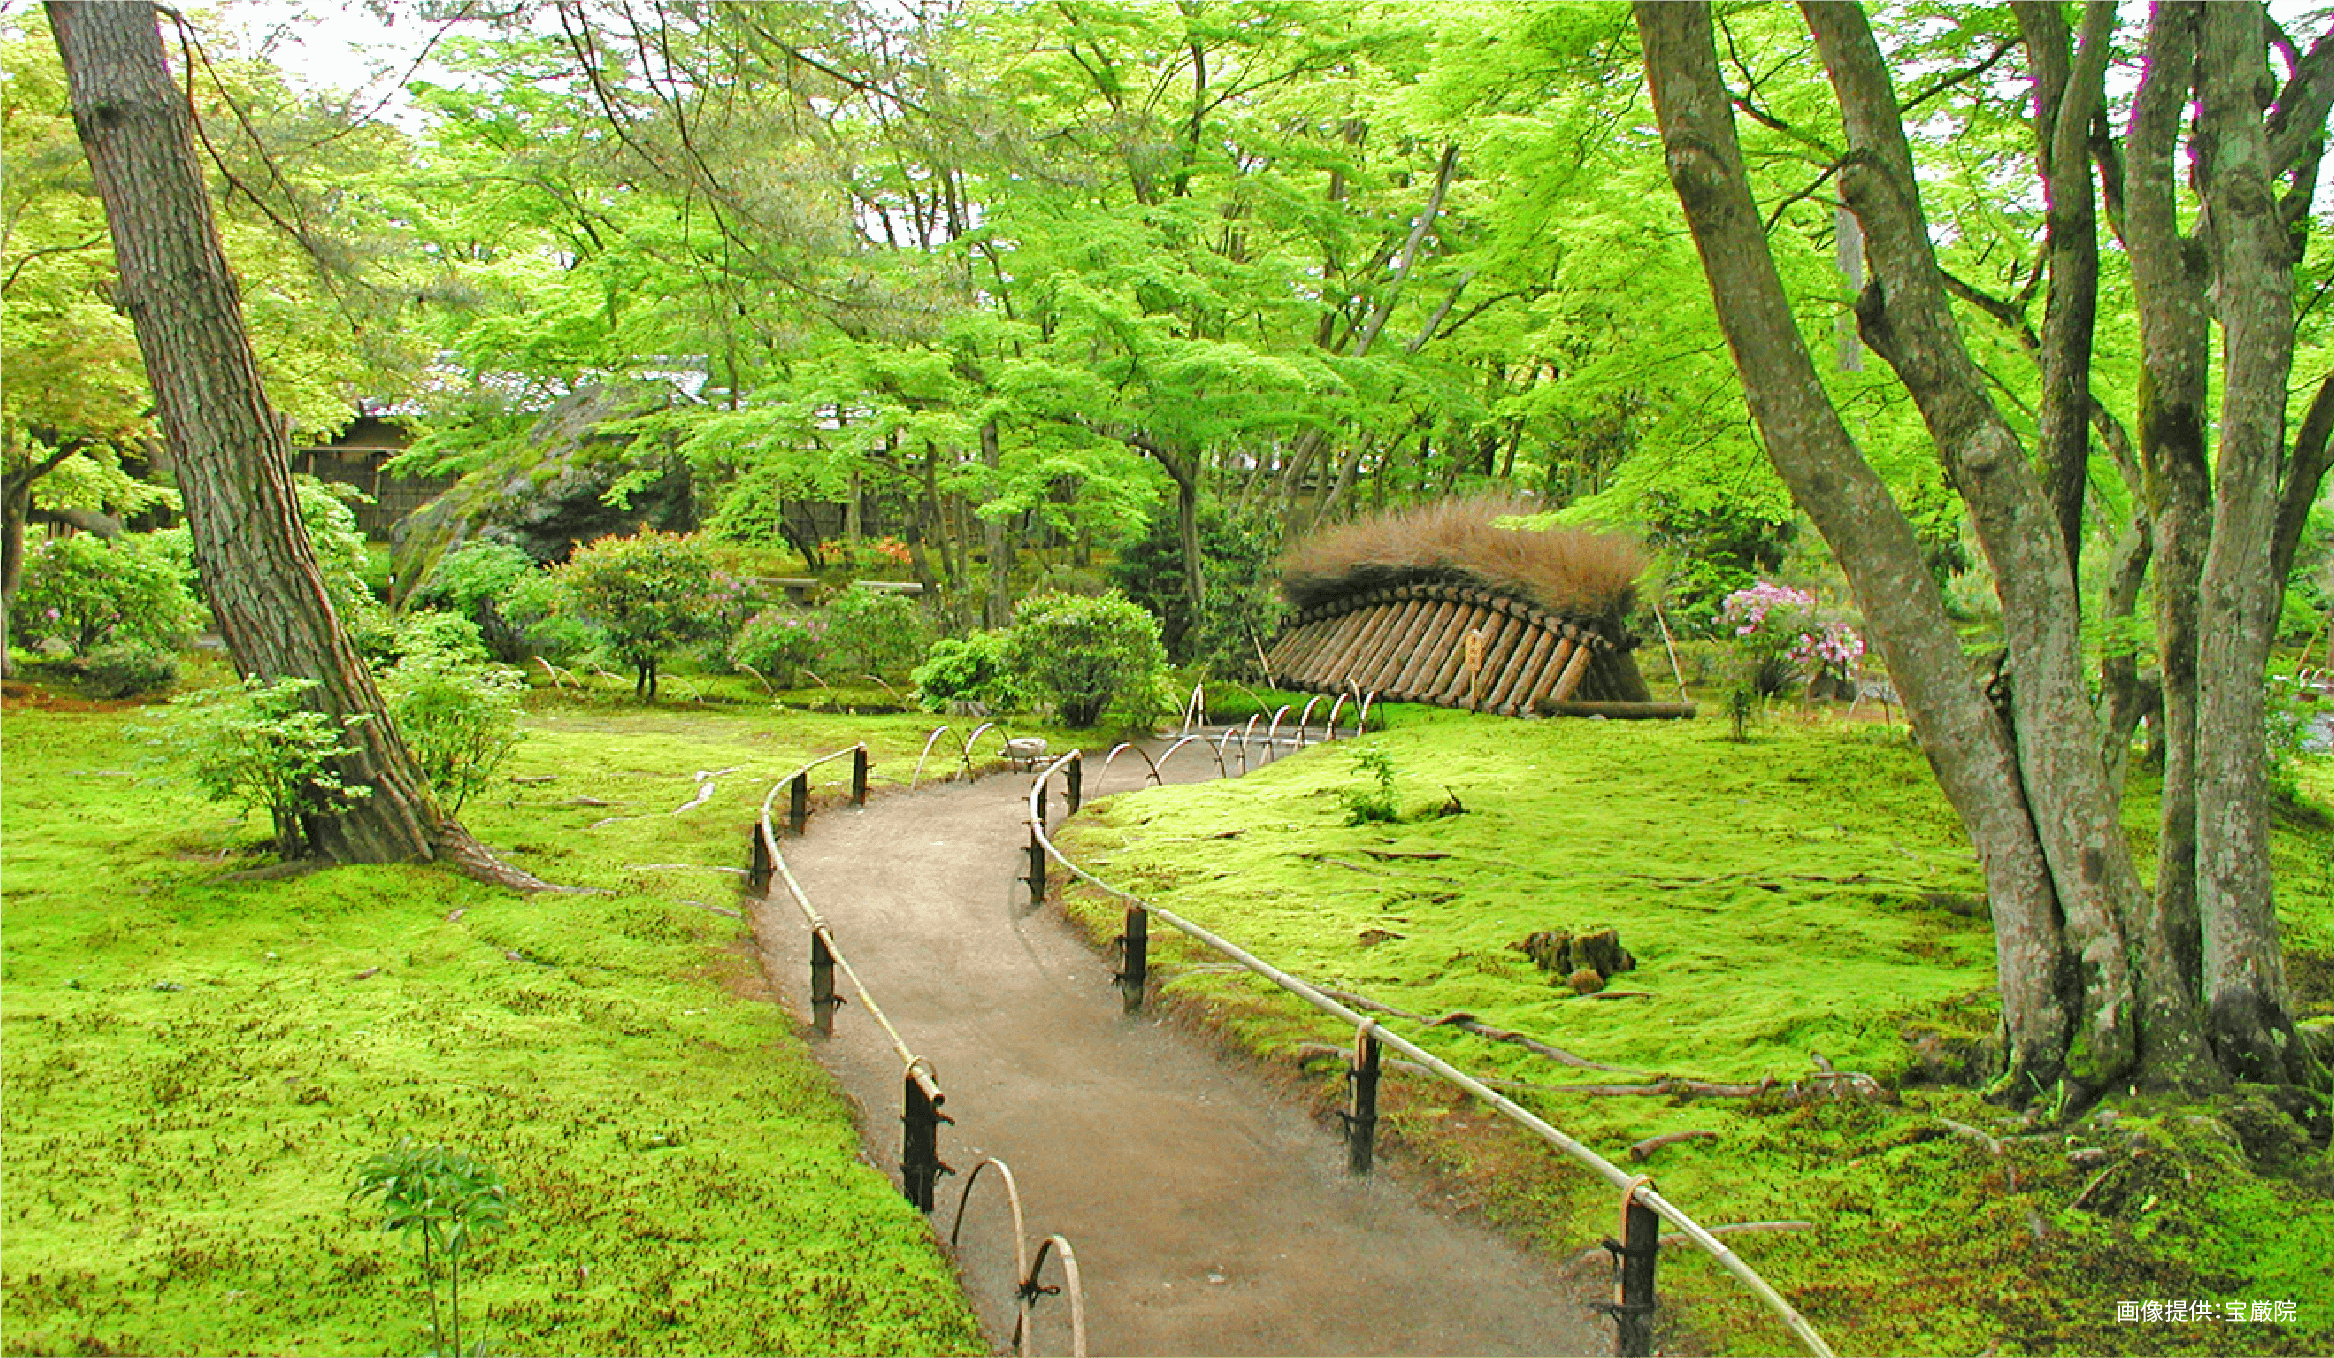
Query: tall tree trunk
2068	94
2251	1018
232	456
997	607
2168	285
1907	320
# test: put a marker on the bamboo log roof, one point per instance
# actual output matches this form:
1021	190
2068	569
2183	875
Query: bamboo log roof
1458	645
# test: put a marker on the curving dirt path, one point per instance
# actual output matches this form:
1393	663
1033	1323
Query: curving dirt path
1209	1216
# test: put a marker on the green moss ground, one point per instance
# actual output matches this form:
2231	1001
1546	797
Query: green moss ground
1808	892
194	1068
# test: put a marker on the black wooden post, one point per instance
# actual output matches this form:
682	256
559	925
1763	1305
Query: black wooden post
1135	965
859	766
1036	869
1040	800
823	1000
920	1167
757	854
1075	795
1633	1310
1361	1118
798	802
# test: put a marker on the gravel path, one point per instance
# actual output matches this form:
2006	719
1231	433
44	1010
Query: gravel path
1209	1216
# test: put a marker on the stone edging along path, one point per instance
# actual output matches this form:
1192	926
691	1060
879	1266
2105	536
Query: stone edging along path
1209	1214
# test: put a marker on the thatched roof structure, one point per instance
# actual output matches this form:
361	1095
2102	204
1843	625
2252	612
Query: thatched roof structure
1441	605
1572	572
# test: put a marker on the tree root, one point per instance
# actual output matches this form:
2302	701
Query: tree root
1469	1023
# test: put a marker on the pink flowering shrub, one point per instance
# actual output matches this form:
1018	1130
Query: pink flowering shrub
1783	638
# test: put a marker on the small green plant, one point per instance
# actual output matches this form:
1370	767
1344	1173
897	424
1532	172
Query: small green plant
446	1201
1742	708
972	669
256	745
459	718
1372	802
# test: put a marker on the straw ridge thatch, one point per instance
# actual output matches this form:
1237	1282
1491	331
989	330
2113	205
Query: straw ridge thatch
1569	571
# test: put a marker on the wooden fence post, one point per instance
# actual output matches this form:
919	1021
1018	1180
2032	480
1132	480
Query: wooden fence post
1075	795
1361	1117
1135	954
798	802
1636	1252
823	1000
920	1167
757	858
1036	869
859	767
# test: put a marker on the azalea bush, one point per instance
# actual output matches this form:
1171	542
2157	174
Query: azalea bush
1783	638
86	592
778	644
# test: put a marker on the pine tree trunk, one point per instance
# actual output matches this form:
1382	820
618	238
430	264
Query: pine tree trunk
232	453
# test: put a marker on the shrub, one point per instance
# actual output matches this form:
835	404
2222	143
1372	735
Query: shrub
651	594
778	644
972	669
495	586
1782	636
873	631
339	546
256	746
125	671
387	639
86	592
459	718
1714	550
1081	655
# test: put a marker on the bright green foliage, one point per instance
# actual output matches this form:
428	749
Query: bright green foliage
870	631
1240	552
339	545
458	717
255	746
973	669
1082	655
178	1159
85	591
445	1201
652	594
1371	801
498	587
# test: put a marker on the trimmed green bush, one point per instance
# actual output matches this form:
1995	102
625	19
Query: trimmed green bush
652	594
873	631
1083	655
972	669
778	644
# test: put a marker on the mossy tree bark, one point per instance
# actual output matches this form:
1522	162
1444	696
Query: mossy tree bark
2102	982
230	451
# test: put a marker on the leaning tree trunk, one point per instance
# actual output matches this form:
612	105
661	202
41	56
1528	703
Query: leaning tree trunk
232	453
